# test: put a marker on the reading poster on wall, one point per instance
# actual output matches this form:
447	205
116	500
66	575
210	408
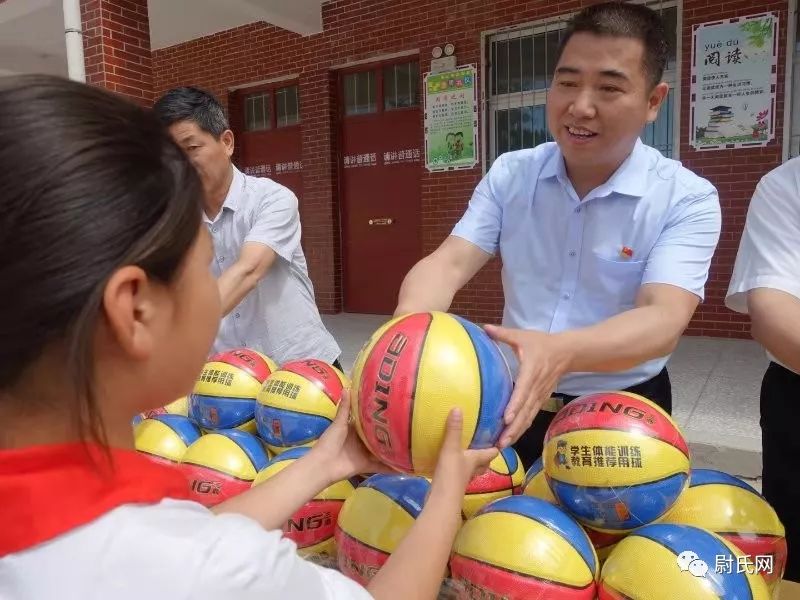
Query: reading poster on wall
734	81
451	119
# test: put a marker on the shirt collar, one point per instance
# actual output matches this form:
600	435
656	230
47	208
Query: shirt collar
232	200
629	179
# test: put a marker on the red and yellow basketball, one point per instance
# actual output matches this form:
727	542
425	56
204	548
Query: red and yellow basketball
731	508
297	403
223	464
165	437
312	526
522	547
615	461
374	520
224	396
503	478
412	372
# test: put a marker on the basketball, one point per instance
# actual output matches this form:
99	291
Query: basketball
374	520
615	460
312	526
667	562
535	483
297	403
504	478
734	510
165	437
604	543
412	372
223	464
521	548
178	407
224	396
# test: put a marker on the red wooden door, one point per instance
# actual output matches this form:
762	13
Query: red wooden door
268	134
380	160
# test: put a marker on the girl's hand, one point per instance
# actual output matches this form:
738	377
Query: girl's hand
340	450
456	467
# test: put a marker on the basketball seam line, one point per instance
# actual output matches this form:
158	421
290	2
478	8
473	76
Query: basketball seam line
746	489
218	471
412	404
527	576
358	541
547	525
480	382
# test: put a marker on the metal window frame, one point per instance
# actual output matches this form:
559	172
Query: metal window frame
790	112
489	104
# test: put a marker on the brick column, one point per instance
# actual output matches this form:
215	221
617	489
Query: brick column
116	42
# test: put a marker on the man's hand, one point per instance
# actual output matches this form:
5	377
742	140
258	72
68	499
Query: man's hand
543	360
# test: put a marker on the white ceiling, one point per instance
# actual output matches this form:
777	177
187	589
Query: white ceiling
32	31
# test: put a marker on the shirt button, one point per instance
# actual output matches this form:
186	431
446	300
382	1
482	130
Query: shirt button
213	230
565	296
572	253
237	315
577	210
221	259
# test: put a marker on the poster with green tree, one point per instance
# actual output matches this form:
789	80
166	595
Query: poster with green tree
733	82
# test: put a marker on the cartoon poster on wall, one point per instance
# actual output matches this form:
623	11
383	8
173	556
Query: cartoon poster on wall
451	120
734	81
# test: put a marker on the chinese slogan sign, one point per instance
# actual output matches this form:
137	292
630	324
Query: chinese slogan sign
733	82
451	120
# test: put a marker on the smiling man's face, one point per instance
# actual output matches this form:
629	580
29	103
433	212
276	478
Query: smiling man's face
600	100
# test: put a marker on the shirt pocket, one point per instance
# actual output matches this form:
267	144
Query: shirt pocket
615	281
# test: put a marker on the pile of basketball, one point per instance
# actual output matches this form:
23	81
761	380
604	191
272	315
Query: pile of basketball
612	510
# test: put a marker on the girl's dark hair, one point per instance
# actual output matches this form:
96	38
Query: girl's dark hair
89	183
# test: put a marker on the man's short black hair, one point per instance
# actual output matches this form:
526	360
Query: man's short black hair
192	104
621	19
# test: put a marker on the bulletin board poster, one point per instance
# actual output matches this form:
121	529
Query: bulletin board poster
451	119
734	82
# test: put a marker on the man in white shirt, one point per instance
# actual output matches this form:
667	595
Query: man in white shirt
267	297
605	243
766	285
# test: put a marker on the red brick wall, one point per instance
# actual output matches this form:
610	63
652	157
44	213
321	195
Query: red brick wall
357	30
116	42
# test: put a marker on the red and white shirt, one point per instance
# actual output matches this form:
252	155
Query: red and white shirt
71	527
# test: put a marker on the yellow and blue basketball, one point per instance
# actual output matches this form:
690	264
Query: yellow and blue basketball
223	464
412	372
374	520
535	483
523	547
503	478
297	403
615	461
312	526
734	510
672	562
165	437
224	396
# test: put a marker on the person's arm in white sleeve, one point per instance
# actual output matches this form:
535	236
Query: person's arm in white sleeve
433	282
766	276
275	235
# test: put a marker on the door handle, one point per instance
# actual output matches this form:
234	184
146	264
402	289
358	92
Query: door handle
382	221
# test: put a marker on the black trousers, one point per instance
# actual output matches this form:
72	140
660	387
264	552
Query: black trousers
529	446
780	443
